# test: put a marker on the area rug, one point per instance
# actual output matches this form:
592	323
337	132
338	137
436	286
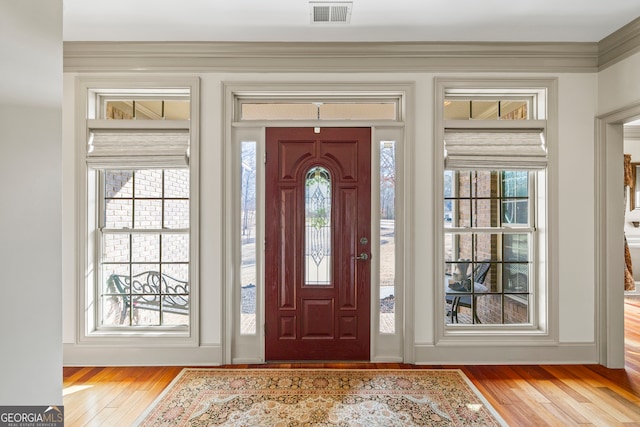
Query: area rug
321	397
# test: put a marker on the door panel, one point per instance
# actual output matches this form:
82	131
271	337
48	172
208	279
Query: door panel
326	318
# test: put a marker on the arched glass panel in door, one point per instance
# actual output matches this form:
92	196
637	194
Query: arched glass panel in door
318	249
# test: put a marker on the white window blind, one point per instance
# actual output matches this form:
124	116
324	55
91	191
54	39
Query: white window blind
495	149
137	148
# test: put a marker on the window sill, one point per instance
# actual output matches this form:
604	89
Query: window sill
180	336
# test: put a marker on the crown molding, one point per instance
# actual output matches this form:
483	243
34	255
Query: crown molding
619	45
361	57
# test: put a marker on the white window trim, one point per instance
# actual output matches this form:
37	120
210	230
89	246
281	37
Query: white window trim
395	347
87	192
546	317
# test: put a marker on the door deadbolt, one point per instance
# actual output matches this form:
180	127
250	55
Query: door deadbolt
364	240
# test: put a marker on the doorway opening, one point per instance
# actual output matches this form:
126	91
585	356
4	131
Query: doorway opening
631	147
610	250
250	265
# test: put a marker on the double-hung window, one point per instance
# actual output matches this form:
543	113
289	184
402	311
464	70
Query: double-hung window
144	247
140	236
495	161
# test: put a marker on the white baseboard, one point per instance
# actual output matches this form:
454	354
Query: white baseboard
476	354
97	355
425	354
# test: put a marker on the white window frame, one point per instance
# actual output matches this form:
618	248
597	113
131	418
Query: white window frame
89	91
544	318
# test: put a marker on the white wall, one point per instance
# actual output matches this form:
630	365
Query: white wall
575	281
578	103
30	217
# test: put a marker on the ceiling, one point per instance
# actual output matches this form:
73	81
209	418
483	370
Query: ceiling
371	20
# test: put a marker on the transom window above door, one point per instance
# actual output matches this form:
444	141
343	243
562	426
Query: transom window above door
321	110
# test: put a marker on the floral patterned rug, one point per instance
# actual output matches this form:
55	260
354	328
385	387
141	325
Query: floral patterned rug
321	397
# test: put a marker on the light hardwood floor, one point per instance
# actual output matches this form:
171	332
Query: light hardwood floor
535	395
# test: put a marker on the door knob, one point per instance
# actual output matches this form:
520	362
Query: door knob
363	256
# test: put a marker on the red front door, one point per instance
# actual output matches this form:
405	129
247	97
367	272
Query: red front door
318	219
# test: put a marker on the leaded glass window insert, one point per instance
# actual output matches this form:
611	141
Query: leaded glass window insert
318	244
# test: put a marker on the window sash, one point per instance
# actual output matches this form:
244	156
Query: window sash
525	297
159	293
103	231
500	198
502	229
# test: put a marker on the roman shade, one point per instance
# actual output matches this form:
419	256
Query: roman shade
137	148
495	149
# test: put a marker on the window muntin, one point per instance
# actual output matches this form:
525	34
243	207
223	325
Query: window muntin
144	256
484	246
486	198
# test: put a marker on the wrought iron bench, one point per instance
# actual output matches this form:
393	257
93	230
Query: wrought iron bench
457	301
147	291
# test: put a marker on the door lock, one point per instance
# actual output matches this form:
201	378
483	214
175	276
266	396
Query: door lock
363	256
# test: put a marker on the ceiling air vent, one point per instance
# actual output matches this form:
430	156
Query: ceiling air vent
330	12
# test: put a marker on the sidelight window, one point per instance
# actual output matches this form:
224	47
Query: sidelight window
387	250
248	237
